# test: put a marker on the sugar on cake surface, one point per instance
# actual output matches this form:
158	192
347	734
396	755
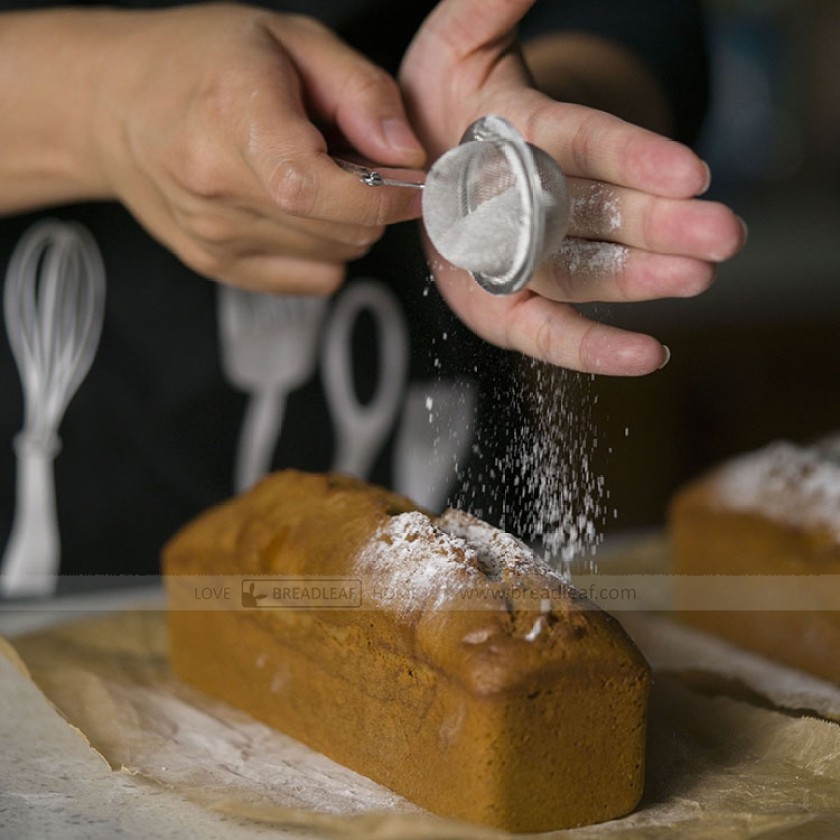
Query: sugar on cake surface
797	485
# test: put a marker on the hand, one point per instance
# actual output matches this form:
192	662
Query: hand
637	231
205	128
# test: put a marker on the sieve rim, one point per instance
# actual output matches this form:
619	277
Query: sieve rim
497	129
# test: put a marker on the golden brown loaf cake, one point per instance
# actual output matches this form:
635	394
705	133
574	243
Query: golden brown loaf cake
467	677
772	512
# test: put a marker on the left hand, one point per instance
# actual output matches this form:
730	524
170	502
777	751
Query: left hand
638	231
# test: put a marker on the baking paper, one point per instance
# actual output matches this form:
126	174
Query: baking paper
732	752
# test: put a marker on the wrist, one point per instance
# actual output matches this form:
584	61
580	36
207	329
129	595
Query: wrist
48	129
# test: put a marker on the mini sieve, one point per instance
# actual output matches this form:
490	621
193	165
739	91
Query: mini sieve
494	205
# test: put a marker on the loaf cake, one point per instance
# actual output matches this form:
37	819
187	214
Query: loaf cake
460	671
772	512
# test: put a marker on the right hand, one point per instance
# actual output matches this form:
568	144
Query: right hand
638	230
205	125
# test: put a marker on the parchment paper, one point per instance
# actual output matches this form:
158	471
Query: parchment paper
723	760
710	664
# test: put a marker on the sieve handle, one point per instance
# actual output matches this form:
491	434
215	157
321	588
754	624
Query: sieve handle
374	178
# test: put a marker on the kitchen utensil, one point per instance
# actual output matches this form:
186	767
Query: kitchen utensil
361	428
268	346
54	303
436	432
494	205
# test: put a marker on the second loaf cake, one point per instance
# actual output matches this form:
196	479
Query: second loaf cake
470	678
771	516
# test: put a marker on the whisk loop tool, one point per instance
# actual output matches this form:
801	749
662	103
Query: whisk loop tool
53	305
494	205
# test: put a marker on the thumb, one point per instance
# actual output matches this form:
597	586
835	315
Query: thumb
467	26
347	90
462	56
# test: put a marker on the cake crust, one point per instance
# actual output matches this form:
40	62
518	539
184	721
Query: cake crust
775	511
527	716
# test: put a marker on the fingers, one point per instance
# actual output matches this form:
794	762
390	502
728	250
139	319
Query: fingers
601	147
237	246
221	156
625	245
299	256
584	271
282	274
702	229
235	230
293	176
553	332
299	179
469	25
263	270
344	88
305	73
558	334
444	72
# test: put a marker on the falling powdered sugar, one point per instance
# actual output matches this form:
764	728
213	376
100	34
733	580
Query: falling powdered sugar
556	445
533	472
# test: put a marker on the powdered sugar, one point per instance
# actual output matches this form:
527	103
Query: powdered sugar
588	258
500	554
413	564
416	563
496	205
534	473
796	485
485	239
596	209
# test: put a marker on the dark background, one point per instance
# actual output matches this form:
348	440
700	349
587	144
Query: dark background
757	358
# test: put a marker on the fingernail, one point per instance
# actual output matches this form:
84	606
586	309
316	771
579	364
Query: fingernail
708	182
399	136
746	229
667	351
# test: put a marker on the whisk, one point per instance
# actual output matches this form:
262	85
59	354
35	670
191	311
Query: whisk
54	303
494	204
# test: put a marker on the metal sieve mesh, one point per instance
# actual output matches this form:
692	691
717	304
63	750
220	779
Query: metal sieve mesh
496	206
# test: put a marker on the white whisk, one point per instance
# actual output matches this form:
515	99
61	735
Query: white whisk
54	305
